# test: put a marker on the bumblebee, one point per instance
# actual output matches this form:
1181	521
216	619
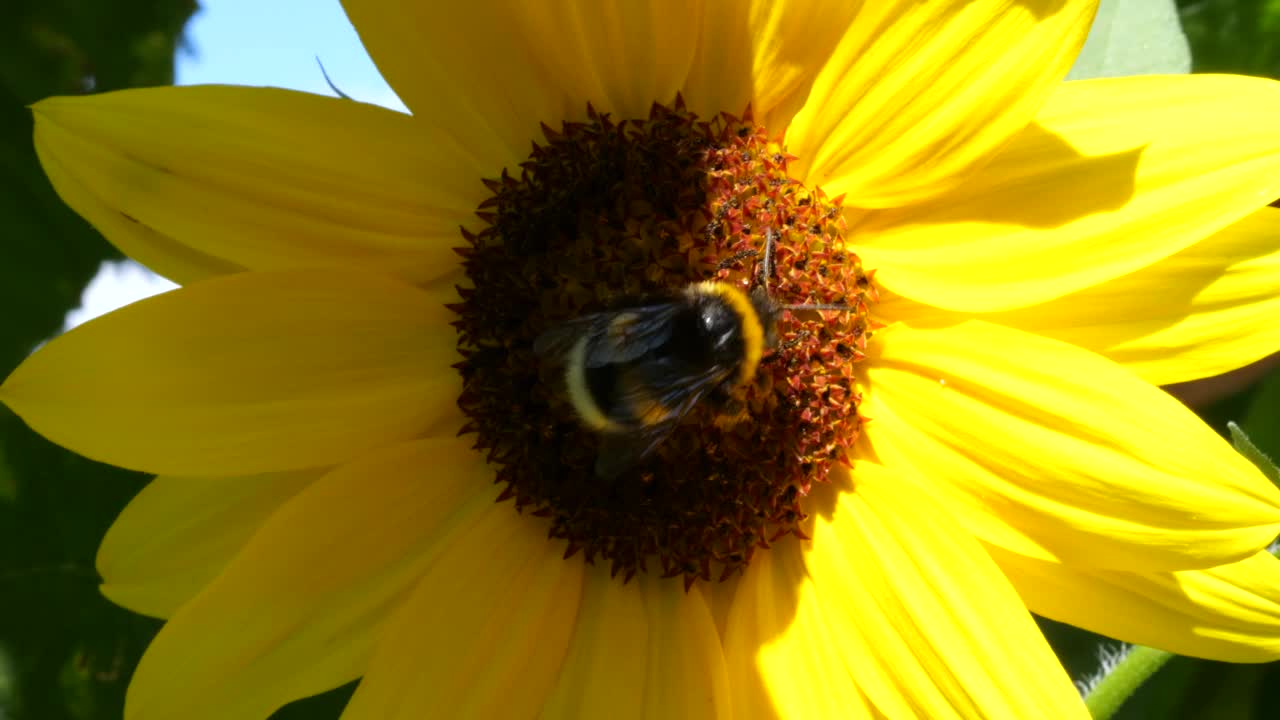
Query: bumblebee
632	374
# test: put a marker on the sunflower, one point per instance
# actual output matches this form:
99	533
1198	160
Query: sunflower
345	384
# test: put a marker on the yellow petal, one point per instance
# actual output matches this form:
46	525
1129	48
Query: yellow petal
179	533
645	650
1052	451
763	53
484	633
1198	313
1205	311
300	609
917	94
784	660
912	612
162	254
1115	174
604	669
686	675
245	374
466	71
932	607
1202	312
196	181
1230	612
486	73
620	55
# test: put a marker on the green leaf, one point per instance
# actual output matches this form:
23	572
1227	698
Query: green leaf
1133	37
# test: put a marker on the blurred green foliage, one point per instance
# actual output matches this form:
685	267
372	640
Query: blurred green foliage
65	652
1233	36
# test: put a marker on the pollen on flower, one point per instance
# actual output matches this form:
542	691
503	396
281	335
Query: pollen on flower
602	215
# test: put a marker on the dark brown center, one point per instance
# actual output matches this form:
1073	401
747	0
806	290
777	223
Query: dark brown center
605	212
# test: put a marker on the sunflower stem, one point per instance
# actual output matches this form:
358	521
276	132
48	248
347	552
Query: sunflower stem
1245	447
1123	679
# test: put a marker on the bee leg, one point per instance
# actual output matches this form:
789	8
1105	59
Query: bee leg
799	338
779	352
733	259
721	396
729	406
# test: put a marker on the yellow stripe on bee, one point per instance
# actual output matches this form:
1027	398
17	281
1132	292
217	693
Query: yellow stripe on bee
752	329
575	380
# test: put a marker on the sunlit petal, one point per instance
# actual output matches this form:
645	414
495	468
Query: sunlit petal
918	94
1114	175
646	650
765	53
1198	313
783	659
1055	452
914	614
1230	612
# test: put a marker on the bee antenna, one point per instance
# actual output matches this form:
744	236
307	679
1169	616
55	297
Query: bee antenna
817	307
771	236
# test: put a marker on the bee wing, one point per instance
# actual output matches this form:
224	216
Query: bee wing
612	337
621	451
672	384
627	334
555	344
670	390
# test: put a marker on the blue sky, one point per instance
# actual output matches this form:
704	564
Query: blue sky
251	42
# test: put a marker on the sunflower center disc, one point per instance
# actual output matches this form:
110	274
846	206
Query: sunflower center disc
605	212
